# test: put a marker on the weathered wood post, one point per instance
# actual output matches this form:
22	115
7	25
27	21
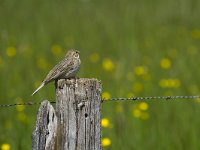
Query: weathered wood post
44	136
78	116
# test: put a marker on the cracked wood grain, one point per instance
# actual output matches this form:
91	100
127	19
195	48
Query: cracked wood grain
76	123
78	106
44	135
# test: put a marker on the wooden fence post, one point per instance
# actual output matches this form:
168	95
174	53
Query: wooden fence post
78	116
44	136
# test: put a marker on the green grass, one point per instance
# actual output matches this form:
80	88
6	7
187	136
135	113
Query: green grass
130	34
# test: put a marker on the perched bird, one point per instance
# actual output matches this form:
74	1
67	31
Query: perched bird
66	68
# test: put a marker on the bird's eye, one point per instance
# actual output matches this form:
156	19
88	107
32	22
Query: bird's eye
76	55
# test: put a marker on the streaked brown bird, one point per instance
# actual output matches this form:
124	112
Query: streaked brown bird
65	69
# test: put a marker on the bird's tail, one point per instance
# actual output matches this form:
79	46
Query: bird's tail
38	89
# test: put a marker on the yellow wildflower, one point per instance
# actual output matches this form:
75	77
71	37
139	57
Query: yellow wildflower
163	83
19	107
177	83
56	50
140	70
5	146
143	106
137	113
108	65
198	100
106	142
137	87
11	51
105	122
165	63
130	95
174	83
94	57
106	95
196	33
169	83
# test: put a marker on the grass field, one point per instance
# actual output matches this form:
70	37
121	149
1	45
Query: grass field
136	48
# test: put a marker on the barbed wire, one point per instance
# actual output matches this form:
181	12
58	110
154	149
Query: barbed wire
113	99
24	103
154	97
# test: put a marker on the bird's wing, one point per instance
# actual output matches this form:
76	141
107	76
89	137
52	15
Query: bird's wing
59	70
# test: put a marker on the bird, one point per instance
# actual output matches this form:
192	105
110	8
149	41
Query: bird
65	69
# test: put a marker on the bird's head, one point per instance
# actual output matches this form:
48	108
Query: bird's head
73	54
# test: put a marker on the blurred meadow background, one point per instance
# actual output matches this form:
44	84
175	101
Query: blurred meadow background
136	48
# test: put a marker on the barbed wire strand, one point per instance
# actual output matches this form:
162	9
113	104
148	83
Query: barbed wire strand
113	99
25	103
153	97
